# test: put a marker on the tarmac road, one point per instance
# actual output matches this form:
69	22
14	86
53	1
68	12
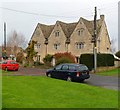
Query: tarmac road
110	82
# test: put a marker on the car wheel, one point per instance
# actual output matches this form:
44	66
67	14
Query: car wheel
49	75
82	80
6	69
69	79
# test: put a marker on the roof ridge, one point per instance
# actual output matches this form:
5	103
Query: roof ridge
66	23
45	24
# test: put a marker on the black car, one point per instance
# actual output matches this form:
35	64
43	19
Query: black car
70	72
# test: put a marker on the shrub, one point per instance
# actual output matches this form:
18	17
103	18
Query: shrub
30	51
88	60
38	63
48	58
26	64
66	54
102	60
63	60
118	54
20	57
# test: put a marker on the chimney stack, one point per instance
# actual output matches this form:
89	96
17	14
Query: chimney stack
102	17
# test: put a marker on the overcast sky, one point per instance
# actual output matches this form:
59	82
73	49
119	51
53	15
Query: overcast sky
24	15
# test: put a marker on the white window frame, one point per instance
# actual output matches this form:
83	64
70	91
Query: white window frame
37	45
79	45
80	31
57	33
56	46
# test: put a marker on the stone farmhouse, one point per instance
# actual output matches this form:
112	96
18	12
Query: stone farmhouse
70	37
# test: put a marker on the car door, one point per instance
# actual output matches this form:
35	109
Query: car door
0	65
55	73
13	65
4	64
63	73
72	71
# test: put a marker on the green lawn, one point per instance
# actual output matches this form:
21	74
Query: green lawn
113	72
0	89
43	92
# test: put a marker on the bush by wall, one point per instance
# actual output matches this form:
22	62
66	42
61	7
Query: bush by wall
30	53
102	60
118	54
48	58
64	58
37	63
88	60
20	57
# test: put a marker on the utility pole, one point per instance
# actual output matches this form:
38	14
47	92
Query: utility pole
5	38
94	39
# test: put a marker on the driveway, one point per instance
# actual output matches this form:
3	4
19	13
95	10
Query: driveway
27	72
109	82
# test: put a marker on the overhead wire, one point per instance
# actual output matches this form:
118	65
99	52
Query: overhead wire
18	11
59	16
46	15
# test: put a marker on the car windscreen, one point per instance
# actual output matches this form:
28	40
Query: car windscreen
13	62
4	62
58	67
82	68
71	67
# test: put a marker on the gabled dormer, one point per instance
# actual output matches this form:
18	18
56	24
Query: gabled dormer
57	39
46	30
103	39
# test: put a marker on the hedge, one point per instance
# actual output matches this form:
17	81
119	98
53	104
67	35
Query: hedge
102	60
118	54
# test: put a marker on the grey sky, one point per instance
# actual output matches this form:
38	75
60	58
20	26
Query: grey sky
49	11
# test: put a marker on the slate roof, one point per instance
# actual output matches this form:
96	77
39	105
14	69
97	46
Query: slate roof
46	29
68	28
90	25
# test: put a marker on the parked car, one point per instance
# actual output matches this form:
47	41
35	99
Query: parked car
9	65
69	72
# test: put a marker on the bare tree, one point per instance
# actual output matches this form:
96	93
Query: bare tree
16	40
113	45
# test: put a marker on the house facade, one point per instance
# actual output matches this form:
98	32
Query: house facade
70	37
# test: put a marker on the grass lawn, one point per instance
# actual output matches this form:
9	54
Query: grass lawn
113	72
0	89
43	92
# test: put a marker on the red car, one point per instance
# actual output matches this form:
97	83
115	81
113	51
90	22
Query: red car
9	65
